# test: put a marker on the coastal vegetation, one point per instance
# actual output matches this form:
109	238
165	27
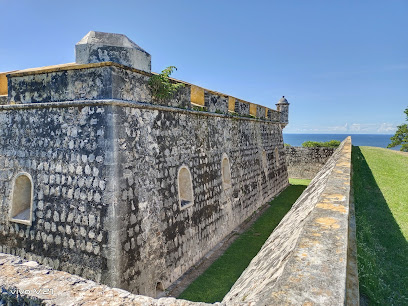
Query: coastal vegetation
379	181
217	280
326	144
401	136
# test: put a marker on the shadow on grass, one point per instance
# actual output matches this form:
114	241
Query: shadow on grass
382	249
217	280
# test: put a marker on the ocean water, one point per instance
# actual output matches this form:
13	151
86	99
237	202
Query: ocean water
373	140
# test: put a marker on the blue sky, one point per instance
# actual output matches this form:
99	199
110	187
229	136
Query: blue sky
343	65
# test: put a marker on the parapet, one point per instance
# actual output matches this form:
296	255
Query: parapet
111	66
26	282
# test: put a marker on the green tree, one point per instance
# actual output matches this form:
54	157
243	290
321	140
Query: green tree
401	136
162	88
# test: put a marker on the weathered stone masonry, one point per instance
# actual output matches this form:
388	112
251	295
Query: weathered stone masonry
148	180
68	154
304	162
310	258
104	160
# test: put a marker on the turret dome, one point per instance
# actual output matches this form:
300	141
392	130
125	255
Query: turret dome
282	101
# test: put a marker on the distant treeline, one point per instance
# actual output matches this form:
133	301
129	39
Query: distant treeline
326	144
314	144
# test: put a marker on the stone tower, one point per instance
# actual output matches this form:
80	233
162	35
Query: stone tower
283	107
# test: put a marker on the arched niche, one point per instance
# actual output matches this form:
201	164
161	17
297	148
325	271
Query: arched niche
185	188
277	157
159	290
264	160
22	199
226	172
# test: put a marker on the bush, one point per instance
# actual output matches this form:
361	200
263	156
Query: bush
326	144
161	87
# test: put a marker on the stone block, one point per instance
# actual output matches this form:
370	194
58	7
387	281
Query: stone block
3	100
241	107
215	103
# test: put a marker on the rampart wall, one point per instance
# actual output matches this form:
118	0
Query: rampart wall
105	200
305	163
154	144
102	178
310	258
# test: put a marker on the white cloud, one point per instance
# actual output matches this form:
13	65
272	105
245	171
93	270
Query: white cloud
387	128
353	128
338	129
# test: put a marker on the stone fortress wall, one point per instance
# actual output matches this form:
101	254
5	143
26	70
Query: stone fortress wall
310	258
100	180
305	163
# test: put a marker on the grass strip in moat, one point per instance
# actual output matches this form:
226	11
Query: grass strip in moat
380	183
217	280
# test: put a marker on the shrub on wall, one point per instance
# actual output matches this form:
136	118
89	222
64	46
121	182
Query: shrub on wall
161	87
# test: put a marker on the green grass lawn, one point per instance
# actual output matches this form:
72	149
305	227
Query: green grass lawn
218	279
380	183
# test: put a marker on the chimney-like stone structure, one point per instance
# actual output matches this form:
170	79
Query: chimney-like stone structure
98	47
283	107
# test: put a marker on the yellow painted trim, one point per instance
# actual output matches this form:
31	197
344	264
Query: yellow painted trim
266	112
231	104
197	95
252	109
3	84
